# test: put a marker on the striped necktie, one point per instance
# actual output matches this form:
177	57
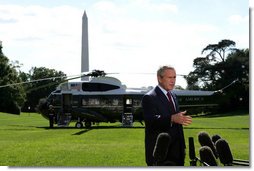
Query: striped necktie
171	104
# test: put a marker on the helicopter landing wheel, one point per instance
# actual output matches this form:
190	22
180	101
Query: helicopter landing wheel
79	125
88	124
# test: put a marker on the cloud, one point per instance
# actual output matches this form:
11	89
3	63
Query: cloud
7	20
129	43
238	19
107	6
137	36
33	21
156	7
42	36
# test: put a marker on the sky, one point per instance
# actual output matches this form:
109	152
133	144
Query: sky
129	37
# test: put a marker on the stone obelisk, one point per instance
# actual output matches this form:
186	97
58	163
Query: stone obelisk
84	46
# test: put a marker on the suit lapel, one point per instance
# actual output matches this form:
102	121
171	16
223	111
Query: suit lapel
162	97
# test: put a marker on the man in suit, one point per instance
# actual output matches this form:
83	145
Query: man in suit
161	114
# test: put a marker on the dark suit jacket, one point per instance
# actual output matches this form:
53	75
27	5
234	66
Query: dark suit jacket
157	117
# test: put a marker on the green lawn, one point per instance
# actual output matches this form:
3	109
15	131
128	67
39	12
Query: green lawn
233	128
27	141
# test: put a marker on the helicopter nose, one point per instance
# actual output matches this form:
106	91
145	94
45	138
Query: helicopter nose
43	106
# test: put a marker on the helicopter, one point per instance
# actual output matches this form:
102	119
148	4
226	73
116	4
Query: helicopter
101	98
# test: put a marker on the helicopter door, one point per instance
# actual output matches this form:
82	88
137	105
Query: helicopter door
66	98
65	115
127	116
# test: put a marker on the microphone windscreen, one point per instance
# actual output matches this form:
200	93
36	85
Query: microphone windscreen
224	152
215	138
207	156
161	147
192	154
205	140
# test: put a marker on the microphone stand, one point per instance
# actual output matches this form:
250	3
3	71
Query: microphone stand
193	162
193	158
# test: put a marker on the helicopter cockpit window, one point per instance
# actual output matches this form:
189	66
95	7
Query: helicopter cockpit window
98	87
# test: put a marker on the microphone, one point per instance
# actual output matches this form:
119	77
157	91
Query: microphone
215	138
192	154
205	140
207	156
224	152
161	148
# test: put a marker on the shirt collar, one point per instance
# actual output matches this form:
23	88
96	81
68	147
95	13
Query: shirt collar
163	90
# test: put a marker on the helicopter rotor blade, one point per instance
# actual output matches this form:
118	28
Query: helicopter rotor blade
227	86
84	74
147	73
31	81
52	83
94	73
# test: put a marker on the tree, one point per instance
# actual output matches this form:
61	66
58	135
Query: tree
219	68
218	51
237	66
12	97
211	68
41	89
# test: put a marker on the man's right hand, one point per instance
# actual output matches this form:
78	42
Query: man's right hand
181	118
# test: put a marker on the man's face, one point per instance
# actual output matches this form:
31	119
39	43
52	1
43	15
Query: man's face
167	81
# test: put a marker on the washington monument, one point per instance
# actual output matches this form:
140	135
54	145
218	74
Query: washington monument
84	46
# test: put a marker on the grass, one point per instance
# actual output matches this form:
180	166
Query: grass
27	141
233	128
